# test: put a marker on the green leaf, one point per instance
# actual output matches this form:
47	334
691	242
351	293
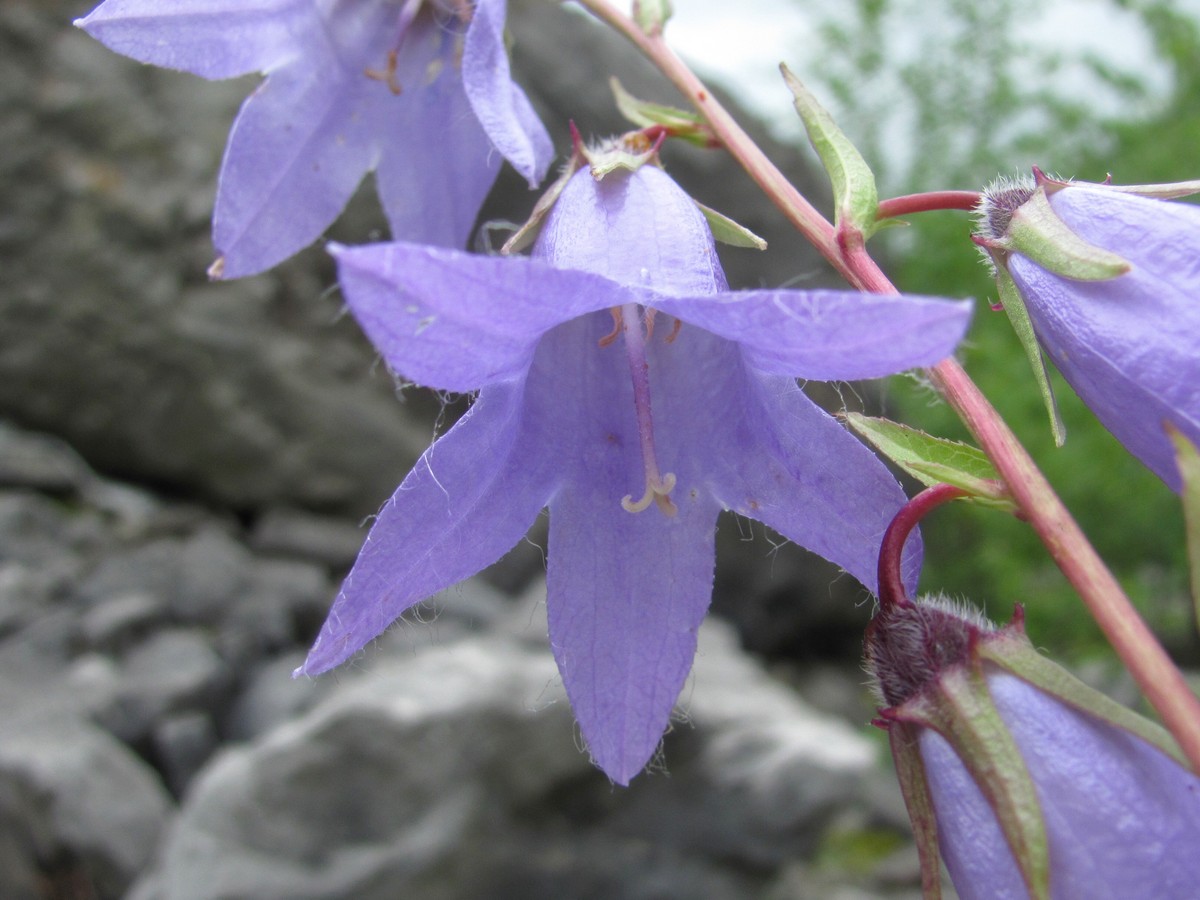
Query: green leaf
914	787
1011	650
679	122
1036	232
727	231
651	15
933	460
1018	315
1188	458
856	199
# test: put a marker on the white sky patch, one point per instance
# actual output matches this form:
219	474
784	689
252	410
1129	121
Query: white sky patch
740	45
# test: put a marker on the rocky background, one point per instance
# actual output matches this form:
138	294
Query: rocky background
184	472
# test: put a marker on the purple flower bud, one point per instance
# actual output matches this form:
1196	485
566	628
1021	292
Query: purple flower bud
1129	344
1036	785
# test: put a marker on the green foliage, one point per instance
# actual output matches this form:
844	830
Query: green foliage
978	101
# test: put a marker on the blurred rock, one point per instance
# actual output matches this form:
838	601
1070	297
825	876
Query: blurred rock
173	671
450	772
77	809
257	392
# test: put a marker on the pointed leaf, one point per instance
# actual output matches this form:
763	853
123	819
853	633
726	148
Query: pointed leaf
933	460
679	122
856	199
1012	651
651	15
914	786
1037	233
1018	315
727	231
1189	470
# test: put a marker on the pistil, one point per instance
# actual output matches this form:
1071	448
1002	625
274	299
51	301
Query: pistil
658	487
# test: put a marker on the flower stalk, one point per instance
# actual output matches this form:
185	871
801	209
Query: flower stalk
1156	675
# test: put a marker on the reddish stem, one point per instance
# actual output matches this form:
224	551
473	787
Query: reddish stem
927	202
892	592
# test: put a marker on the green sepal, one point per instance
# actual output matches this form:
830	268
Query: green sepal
934	460
960	708
527	233
914	786
678	122
1010	649
1037	233
1172	191
1188	459
855	196
727	231
1018	315
652	15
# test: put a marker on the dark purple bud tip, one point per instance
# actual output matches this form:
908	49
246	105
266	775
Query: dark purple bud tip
909	646
1000	200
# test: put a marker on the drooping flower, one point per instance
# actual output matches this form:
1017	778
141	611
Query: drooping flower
635	428
417	91
1111	282
1030	783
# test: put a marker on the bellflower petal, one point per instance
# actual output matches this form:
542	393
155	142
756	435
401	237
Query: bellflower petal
806	477
625	592
603	413
500	105
350	88
450	518
225	38
826	335
1122	818
1130	345
435	317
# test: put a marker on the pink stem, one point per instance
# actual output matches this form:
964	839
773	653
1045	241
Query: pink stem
927	202
892	592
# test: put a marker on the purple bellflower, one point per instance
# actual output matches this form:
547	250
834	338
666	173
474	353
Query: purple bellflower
1037	785
1111	284
1031	783
624	387
417	91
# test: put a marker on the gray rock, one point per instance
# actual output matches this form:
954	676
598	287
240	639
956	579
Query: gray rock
181	744
173	671
270	697
120	620
333	542
384	780
77	808
449	772
254	393
41	462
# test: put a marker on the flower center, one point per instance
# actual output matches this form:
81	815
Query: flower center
387	74
629	322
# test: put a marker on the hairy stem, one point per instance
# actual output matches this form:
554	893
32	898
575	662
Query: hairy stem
1157	677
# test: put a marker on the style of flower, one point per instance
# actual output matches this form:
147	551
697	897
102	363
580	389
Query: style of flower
1111	282
635	428
418	91
1030	783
